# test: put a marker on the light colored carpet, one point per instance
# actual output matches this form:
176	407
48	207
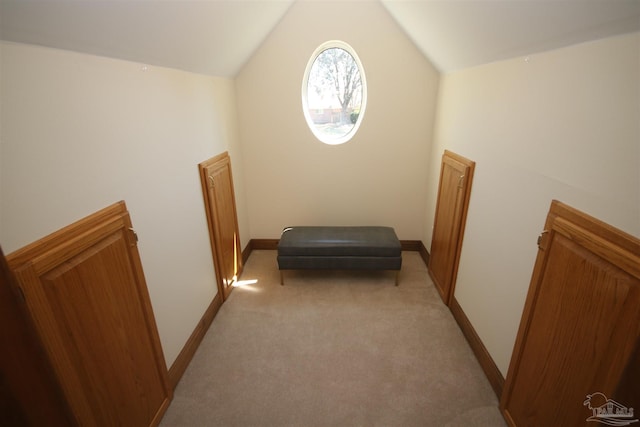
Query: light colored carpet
334	349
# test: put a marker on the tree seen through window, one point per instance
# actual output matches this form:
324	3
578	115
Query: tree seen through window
334	95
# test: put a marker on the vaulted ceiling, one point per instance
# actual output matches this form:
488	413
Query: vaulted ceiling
217	37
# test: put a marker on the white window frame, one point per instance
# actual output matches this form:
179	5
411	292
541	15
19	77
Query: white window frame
305	81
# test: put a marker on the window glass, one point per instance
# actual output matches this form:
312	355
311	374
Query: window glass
334	92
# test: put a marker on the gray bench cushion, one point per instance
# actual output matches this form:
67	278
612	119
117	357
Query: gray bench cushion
366	247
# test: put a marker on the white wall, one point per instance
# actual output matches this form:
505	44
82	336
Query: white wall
81	132
377	178
563	125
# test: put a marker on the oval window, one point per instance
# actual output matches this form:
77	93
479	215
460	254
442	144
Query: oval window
334	92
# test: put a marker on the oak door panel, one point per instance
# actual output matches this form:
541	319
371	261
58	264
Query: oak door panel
581	323
29	392
89	302
453	195
217	183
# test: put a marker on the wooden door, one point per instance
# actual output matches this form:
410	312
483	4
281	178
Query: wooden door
85	291
29	392
456	174
220	205
580	327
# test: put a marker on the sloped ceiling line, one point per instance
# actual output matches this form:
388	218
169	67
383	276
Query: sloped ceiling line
217	37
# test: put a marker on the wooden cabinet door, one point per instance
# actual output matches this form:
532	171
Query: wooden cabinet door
29	392
217	185
580	326
86	293
454	190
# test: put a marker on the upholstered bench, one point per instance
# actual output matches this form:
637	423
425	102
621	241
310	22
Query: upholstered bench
339	248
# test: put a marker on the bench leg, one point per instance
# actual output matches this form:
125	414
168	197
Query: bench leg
281	278
397	276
